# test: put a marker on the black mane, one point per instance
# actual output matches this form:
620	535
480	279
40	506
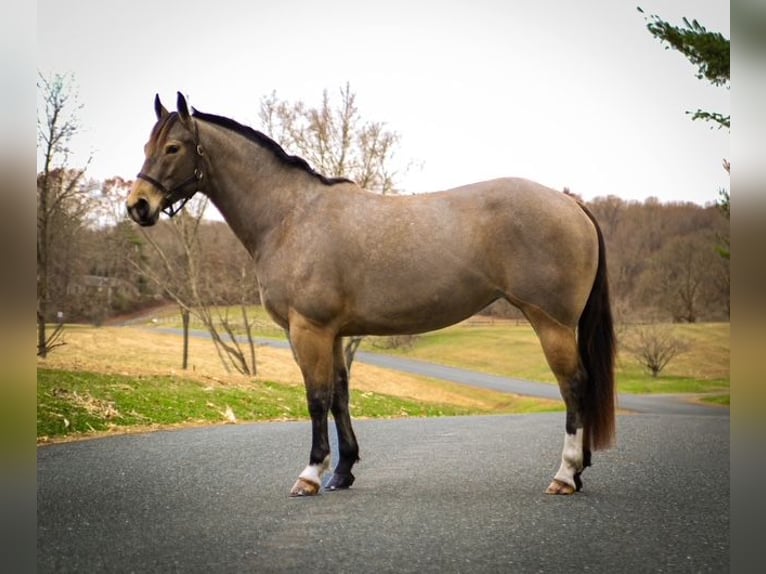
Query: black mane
265	141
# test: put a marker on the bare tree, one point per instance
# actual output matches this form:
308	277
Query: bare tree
108	238
227	278
678	277
654	346
177	273
57	185
185	276
335	140
235	284
724	205
646	247
717	291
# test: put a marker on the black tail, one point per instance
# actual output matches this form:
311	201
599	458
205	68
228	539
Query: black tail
597	346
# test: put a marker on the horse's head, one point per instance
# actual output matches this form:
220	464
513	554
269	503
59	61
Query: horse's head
172	171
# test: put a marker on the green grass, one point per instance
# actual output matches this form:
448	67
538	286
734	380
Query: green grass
514	351
722	400
632	379
71	403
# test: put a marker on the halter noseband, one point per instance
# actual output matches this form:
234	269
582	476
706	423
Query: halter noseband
172	195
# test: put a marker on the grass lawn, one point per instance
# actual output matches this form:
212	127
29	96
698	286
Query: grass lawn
109	379
76	402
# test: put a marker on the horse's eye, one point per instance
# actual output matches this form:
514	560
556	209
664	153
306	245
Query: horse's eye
172	148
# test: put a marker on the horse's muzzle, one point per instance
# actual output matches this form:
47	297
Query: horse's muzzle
141	212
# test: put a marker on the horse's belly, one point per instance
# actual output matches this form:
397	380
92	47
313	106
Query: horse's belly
410	313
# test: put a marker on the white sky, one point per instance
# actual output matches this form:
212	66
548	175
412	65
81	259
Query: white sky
575	94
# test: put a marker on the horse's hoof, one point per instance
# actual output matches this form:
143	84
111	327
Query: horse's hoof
558	487
304	487
340	481
578	482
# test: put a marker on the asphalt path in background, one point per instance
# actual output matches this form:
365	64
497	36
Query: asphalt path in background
455	494
657	404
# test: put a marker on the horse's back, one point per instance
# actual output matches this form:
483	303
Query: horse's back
445	255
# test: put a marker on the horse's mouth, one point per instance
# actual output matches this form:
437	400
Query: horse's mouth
147	223
142	213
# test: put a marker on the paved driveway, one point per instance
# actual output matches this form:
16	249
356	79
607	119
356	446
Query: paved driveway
462	494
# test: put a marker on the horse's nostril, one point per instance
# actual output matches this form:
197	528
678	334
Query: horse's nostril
141	212
142	208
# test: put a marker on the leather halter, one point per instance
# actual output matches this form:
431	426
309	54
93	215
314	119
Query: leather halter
176	194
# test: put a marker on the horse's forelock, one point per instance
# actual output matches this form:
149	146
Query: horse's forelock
160	130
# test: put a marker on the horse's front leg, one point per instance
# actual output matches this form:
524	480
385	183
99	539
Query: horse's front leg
347	445
313	349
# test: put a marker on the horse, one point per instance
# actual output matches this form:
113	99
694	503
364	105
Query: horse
334	260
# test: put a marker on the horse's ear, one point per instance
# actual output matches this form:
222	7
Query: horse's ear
183	109
159	109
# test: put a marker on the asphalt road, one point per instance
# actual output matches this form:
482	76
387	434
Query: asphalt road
460	494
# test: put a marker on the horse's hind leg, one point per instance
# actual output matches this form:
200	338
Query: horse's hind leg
347	445
560	348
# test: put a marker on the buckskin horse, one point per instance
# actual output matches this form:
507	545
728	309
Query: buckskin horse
334	260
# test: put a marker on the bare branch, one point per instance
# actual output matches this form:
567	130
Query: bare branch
333	138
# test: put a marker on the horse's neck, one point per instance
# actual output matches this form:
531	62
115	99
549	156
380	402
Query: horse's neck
254	191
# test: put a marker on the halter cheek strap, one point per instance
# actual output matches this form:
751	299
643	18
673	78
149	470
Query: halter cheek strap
172	195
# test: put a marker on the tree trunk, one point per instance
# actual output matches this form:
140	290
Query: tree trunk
185	322
42	348
352	344
42	269
250	342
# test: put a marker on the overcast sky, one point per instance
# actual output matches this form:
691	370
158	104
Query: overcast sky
574	94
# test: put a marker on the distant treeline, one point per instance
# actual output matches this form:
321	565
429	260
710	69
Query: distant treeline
667	261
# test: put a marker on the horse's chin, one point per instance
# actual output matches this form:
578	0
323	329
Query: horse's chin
148	222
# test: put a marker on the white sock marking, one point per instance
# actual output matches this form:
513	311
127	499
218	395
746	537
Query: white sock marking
313	472
571	458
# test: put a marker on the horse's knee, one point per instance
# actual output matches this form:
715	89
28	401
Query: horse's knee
318	399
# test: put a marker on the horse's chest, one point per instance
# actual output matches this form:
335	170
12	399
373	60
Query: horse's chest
277	311
274	300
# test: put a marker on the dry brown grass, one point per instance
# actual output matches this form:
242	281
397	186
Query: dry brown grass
136	351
